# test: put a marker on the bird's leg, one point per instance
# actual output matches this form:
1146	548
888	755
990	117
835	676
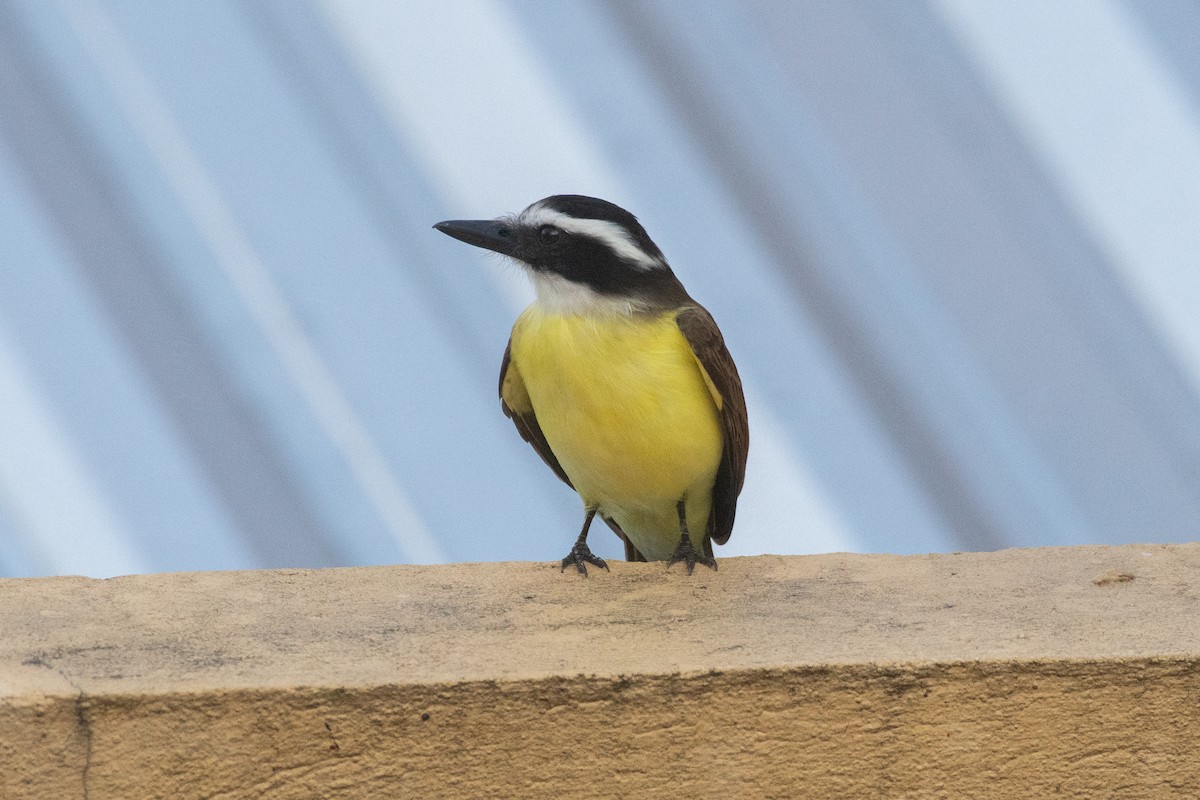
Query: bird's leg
580	555
684	551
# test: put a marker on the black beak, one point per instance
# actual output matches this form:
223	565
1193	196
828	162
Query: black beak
489	234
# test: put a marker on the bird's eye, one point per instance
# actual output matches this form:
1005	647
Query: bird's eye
548	234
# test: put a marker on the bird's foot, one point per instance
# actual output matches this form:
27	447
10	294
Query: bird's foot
581	556
687	554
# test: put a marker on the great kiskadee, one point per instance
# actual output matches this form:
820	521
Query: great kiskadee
620	380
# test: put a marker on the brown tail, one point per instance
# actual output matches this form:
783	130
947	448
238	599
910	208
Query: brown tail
631	553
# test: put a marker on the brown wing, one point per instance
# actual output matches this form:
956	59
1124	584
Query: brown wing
514	401
708	346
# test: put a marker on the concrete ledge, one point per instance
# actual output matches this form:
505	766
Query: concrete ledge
1070	672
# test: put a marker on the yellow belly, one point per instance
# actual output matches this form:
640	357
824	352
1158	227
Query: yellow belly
626	410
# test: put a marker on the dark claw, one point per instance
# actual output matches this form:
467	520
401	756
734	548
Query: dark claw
581	556
687	554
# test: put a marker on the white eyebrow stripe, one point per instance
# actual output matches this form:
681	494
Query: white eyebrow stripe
610	234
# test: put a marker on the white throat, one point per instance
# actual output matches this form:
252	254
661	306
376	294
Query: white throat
557	295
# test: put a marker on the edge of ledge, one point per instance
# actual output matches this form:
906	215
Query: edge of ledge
450	624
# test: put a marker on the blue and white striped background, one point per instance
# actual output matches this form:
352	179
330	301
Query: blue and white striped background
954	245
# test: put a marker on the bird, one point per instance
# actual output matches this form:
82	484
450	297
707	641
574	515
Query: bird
620	381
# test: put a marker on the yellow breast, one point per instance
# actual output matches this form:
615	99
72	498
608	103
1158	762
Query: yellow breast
626	409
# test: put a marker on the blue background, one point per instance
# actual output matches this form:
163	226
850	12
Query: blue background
954	246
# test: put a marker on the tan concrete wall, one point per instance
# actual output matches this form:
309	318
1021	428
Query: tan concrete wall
1027	673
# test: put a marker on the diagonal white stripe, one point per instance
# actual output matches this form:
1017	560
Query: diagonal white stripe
1114	128
49	487
200	197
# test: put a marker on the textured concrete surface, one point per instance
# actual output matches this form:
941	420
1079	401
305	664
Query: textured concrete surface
1071	672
